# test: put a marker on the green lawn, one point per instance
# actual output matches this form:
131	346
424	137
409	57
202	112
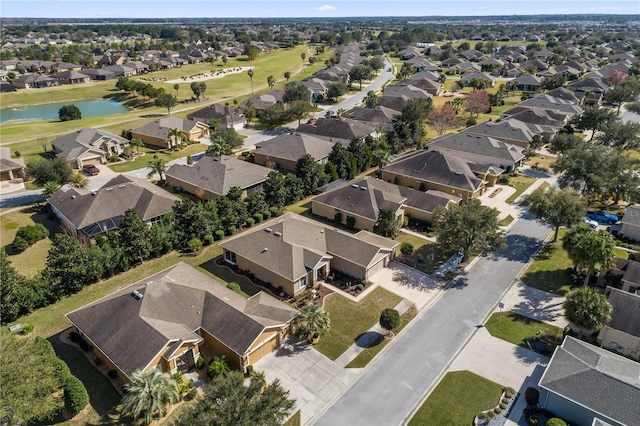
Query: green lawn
520	183
542	161
167	155
622	254
459	396
350	319
32	260
506	221
294	420
548	272
369	353
300	207
432	253
517	329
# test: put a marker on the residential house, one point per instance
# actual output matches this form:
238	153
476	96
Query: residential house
85	213
138	67
409	52
548	102
586	385
419	64
467	78
99	74
156	133
10	168
316	86
212	177
337	129
592	84
548	123
528	83
72	77
88	146
34	81
393	102
510	131
226	116
260	102
170	319
464	68
450	174
479	149
565	94
293	252
622	333
284	151
378	116
631	223
362	199
426	80
408	90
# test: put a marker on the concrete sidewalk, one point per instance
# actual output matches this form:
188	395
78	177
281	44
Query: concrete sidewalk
535	304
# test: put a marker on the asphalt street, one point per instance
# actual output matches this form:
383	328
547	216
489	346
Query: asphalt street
392	388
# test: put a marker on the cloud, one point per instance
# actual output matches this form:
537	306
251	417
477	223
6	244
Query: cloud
325	8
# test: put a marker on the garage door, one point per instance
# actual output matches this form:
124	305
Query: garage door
263	350
377	267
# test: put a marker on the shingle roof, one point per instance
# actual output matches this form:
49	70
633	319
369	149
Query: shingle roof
625	315
74	145
407	90
292	146
505	129
226	114
437	167
160	128
102	210
219	174
631	216
175	303
7	163
339	128
299	245
595	378
393	102
540	117
549	102
476	144
378	115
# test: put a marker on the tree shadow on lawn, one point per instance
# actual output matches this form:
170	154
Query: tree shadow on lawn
102	395
559	281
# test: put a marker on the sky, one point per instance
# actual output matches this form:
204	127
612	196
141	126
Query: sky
304	8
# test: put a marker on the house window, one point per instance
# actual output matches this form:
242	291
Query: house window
230	257
302	283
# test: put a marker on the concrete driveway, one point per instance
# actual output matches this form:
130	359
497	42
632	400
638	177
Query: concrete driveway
414	285
311	378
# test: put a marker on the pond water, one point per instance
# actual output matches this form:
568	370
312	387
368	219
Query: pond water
95	108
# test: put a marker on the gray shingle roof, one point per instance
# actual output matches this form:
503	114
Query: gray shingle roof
7	163
476	144
595	378
631	216
73	145
625	315
160	128
339	128
504	129
540	117
219	174
549	102
408	90
437	167
299	246
175	304
102	210
379	115
292	146
226	114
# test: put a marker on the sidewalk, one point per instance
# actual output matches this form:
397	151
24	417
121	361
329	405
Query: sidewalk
369	337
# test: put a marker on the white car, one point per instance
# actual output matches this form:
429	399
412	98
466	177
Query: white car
592	223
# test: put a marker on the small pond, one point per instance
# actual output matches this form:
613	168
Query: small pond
95	108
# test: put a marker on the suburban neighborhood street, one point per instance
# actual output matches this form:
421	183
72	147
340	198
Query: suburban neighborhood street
394	387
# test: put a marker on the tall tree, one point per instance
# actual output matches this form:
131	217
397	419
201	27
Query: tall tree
287	75
250	74
275	191
136	143
67	265
296	92
297	110
443	118
176	135
387	223
389	319
557	208
134	237
190	220
251	51
592	118
311	173
167	101
477	102
361	153
311	322
339	156
69	112
620	135
50	188
57	170
469	228
228	401
336	89
627	91
587	309
371	99
78	180
148	395
198	88
405	72
271	82
16	295
159	166
563	142
360	73
589	248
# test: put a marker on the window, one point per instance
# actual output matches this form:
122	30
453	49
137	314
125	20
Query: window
302	283
230	257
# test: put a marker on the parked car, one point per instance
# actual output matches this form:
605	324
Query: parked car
602	216
592	223
90	169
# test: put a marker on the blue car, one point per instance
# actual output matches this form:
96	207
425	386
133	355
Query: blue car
602	216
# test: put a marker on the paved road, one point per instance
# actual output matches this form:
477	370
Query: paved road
20	198
395	385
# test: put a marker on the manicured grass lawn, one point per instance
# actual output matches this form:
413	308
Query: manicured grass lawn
294	420
517	329
350	319
548	271
226	276
520	183
432	253
300	207
506	221
32	260
167	155
459	396
542	161
369	353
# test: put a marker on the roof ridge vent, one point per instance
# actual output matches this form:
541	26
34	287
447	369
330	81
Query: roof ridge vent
268	230
277	234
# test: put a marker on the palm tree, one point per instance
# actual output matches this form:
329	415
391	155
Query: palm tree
590	248
218	147
136	143
78	180
342	112
49	188
176	135
148	395
381	157
250	74
371	99
159	166
177	88
271	81
587	309
225	59
311	322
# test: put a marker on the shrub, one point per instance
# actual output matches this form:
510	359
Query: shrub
75	395
69	112
482	416
406	249
245	153
503	406
219	366
19	244
351	221
389	319
274	211
17	154
235	287
219	234
471	122
27	328
249	369
113	374
208	240
266	214
250	222
359	288
532	396
490	414
193	392
509	392
200	362
556	422
32	233
257	217
189	160
195	245
505	400
497	410
97	360
337	217
231	230
505	179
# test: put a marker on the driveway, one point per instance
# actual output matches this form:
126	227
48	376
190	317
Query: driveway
311	378
415	286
